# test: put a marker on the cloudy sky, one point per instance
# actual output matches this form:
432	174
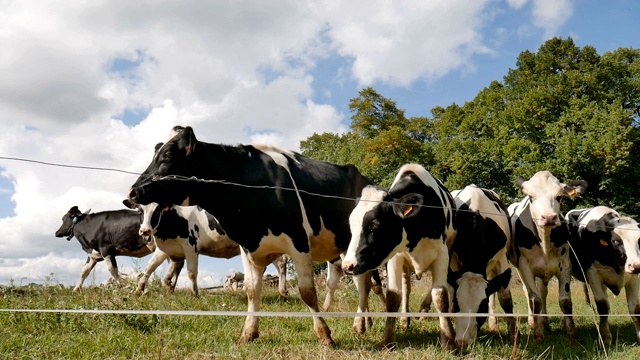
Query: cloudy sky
98	83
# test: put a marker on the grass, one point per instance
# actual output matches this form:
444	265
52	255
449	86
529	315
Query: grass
108	336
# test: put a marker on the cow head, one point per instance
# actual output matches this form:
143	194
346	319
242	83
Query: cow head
545	192
471	295
627	235
377	228
69	221
170	158
151	214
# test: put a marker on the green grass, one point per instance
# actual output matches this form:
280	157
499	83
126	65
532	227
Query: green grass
108	336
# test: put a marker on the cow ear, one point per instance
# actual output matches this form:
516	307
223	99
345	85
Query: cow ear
499	282
74	209
190	140
408	205
576	187
157	147
86	212
128	204
520	181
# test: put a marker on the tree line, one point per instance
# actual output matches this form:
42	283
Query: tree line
563	108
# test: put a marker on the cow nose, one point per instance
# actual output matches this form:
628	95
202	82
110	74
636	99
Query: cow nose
348	267
144	232
550	219
132	194
633	268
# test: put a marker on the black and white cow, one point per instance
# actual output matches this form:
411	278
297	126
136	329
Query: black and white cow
105	235
270	201
412	223
478	265
183	233
540	245
606	256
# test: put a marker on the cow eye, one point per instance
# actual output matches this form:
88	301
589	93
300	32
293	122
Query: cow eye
558	198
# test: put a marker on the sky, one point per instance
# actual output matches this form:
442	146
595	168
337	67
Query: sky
99	83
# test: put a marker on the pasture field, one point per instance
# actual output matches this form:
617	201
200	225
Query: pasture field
116	336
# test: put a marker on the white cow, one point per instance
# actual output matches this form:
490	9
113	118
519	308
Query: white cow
184	232
540	245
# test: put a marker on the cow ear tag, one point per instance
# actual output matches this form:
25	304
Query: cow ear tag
407	210
604	243
571	192
188	149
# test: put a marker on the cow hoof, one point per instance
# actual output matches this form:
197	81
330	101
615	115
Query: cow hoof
327	342
405	323
390	346
447	344
247	338
359	326
285	296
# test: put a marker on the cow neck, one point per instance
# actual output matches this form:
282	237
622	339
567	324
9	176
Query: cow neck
74	221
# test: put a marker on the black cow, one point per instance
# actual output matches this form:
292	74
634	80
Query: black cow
266	199
412	223
478	265
606	255
107	234
541	246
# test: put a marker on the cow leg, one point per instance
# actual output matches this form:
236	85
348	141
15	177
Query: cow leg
86	269
491	320
440	295
394	279
171	280
405	322
585	289
631	291
112	266
506	303
602	304
376	286
564	289
334	274
544	292
534	301
157	259
307	288
281	265
253	287
363	284
191	258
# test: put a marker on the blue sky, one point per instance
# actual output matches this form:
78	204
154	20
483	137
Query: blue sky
99	85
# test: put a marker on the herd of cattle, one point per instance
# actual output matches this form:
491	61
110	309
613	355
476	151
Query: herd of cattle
262	202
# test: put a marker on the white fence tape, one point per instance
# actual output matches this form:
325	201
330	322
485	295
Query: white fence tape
282	313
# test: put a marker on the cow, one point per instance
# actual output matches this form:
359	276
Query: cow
105	235
183	233
606	255
270	201
478	265
412	223
540	247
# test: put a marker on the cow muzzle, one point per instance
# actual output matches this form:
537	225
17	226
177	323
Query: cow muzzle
550	220
632	268
145	232
349	267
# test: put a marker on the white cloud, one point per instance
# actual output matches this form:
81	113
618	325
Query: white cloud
550	15
516	4
403	41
